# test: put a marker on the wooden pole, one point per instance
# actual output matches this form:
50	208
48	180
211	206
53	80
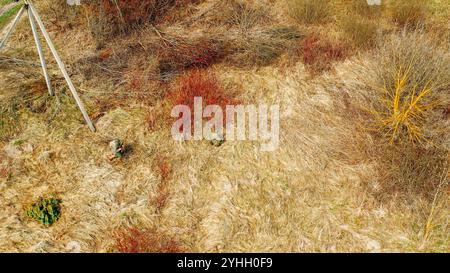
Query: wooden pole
41	54
61	66
13	25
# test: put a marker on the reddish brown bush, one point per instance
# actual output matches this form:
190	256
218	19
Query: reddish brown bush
319	54
198	83
133	240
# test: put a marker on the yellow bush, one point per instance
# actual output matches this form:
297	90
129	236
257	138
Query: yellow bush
413	77
406	106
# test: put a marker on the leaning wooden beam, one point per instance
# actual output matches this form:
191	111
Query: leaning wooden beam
12	27
61	66
41	54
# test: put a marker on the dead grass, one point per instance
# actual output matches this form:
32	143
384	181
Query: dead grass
109	18
61	16
165	170
242	15
163	167
157	118
177	54
409	172
8	122
260	47
365	196
142	78
32	98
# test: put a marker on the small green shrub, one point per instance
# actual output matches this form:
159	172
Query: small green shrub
47	211
309	11
117	148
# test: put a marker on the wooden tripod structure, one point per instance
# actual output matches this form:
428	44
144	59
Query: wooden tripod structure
34	17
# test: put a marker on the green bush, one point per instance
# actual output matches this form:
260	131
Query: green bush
46	211
309	11
360	31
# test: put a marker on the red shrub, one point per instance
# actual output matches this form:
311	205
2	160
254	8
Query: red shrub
198	83
133	240
319	54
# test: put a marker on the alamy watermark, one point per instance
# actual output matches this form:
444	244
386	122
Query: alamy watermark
241	122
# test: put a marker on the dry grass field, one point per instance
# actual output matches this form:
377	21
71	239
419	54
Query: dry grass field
363	160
